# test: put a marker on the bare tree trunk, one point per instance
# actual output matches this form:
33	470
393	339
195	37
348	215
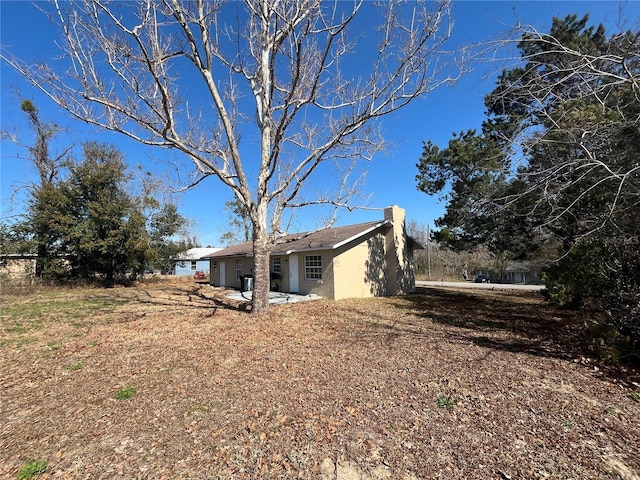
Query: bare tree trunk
261	273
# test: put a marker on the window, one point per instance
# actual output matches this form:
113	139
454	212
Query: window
313	267
215	266
276	265
194	265
238	269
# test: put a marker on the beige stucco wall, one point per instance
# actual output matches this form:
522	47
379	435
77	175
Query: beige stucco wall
230	271
17	268
359	269
380	264
323	287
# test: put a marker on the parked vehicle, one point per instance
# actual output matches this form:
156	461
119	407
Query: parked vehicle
482	279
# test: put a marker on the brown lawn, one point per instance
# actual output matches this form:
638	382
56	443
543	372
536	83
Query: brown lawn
440	385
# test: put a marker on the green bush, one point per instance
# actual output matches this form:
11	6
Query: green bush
599	343
575	277
606	276
445	402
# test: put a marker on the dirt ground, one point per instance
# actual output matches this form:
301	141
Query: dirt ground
443	384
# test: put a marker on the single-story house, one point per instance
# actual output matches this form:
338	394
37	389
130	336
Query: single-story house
192	261
522	272
18	265
363	260
516	272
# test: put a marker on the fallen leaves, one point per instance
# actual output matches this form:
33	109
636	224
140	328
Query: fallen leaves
349	387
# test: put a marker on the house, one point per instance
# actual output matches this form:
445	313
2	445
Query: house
522	272
364	260
516	272
17	265
192	261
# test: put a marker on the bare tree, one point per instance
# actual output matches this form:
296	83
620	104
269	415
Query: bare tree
48	168
576	105
299	76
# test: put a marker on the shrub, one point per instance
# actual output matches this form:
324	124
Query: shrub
575	277
445	402
605	275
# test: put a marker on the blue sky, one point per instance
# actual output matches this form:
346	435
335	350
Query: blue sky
391	176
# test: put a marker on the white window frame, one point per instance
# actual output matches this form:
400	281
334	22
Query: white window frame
276	265
194	265
313	267
215	266
238	269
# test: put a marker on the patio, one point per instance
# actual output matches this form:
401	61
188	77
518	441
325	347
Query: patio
275	298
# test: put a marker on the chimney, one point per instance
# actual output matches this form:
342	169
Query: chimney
395	214
400	277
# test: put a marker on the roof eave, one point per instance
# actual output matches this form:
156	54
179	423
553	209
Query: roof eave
301	250
361	234
308	249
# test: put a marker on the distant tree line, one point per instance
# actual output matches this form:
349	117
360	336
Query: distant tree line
83	220
554	173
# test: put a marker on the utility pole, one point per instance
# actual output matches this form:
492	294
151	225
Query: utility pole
428	252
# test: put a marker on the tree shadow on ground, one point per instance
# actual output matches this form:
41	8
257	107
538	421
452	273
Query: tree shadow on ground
196	296
513	322
518	323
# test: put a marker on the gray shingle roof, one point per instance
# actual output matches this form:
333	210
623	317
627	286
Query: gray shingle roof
326	239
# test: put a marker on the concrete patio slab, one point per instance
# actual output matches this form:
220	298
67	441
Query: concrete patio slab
275	298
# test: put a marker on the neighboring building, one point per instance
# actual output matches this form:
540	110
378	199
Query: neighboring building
517	272
192	261
364	260
522	272
17	265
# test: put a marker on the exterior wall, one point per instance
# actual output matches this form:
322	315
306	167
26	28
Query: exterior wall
359	269
323	287
515	277
230	270
522	277
17	268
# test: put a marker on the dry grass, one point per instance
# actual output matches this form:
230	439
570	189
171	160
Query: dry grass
349	389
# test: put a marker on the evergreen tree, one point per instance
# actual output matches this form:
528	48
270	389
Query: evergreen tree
16	238
92	227
48	169
557	161
97	225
